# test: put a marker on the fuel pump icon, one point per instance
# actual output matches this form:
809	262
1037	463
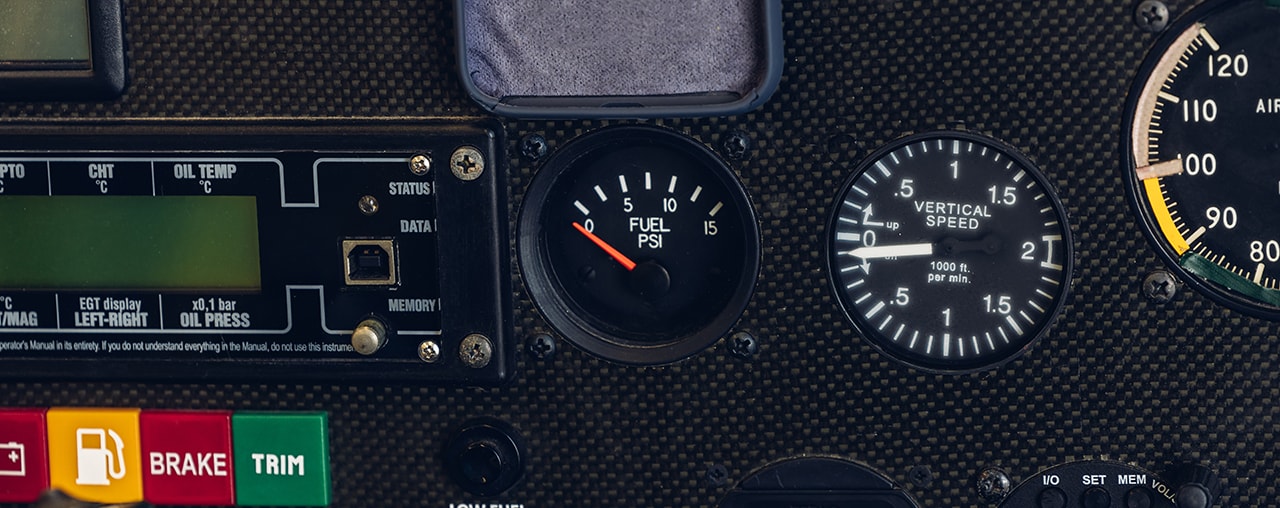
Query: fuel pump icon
95	460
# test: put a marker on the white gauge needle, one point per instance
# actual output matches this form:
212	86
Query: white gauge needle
893	251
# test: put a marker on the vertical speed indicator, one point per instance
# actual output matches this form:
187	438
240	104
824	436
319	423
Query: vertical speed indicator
949	251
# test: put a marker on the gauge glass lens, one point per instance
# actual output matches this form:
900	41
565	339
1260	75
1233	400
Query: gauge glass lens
635	250
949	251
1204	146
639	244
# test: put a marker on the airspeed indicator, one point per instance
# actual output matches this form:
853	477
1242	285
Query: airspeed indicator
1202	124
949	251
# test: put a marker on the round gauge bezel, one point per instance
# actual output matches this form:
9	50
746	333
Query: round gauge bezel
982	363
1137	197
548	292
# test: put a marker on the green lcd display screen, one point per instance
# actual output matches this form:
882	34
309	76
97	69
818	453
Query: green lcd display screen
44	31
129	243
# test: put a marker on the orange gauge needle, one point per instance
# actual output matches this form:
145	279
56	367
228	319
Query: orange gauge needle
621	258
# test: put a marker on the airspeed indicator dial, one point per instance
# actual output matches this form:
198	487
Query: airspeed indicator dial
949	251
1203	123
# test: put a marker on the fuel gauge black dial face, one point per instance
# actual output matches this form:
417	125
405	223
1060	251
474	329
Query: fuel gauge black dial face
949	251
638	244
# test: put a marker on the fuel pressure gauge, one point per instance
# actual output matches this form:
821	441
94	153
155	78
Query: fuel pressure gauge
1203	130
949	251
638	244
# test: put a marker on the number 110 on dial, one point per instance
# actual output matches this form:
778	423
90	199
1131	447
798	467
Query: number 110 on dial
949	251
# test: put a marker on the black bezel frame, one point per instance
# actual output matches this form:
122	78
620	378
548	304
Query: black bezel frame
477	289
866	331
818	480
1137	198
103	79
560	313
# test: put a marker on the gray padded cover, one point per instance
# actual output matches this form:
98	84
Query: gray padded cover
593	48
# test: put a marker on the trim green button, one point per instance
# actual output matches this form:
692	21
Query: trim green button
281	459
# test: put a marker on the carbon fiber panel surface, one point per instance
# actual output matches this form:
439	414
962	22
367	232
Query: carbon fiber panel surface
1118	377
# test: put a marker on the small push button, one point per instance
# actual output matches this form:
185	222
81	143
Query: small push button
1139	497
24	469
1096	497
187	456
1053	497
281	459
369	336
485	457
94	454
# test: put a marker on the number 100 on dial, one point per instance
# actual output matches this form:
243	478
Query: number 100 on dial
1203	123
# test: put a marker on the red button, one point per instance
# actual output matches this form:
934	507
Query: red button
24	462
186	457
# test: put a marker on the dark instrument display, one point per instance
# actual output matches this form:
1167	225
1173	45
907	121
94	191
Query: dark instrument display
824	253
228	259
639	245
950	252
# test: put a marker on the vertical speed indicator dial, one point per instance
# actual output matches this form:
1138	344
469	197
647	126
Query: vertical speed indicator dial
949	251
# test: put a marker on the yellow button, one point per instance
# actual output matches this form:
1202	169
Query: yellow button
95	454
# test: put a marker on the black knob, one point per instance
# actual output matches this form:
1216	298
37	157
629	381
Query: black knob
485	457
1198	486
482	463
1193	496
